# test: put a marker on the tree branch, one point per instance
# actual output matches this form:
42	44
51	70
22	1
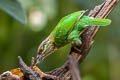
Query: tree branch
73	67
29	74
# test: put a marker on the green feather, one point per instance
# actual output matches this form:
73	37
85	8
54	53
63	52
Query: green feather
89	21
64	28
69	28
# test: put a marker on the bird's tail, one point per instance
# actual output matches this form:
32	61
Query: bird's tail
89	21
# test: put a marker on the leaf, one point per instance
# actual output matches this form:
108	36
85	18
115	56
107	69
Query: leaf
13	8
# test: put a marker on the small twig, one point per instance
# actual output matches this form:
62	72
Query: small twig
73	67
27	71
34	73
32	62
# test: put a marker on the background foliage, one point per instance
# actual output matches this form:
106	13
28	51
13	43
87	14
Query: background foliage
17	39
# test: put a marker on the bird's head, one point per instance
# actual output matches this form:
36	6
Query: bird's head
46	47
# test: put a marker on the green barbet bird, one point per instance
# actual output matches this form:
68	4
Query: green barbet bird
68	30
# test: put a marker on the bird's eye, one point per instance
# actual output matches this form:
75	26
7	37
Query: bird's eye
41	49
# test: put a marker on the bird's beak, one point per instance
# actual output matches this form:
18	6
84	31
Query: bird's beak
39	59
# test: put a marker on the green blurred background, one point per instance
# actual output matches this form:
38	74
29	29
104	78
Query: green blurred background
16	39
